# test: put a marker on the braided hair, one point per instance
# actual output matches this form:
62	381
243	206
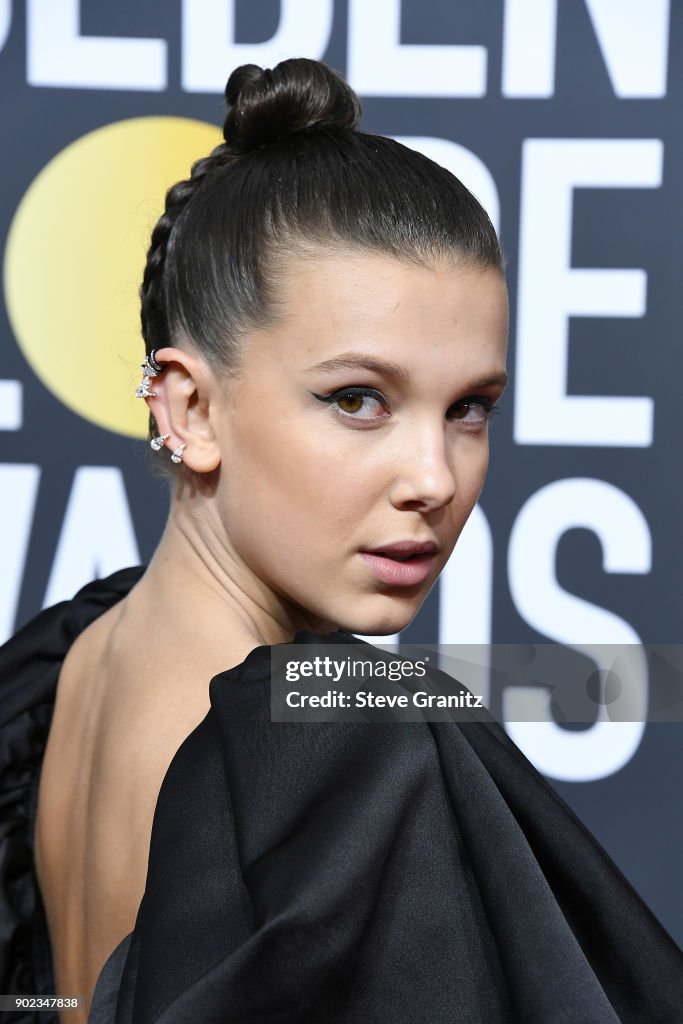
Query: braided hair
293	171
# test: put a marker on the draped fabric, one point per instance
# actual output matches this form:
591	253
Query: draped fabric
340	871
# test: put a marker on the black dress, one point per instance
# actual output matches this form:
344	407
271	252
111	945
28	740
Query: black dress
404	872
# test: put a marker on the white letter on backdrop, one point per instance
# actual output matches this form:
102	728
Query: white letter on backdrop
379	65
210	51
529	39
606	746
19	487
11	394
550	291
633	36
59	56
464	164
97	536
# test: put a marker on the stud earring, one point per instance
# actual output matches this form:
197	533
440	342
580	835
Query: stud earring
178	453
158	442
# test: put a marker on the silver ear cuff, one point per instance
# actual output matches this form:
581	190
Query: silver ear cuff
150	368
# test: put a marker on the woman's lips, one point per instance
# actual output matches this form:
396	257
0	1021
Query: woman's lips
397	573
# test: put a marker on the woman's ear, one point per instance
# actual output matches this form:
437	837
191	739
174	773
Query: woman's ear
181	407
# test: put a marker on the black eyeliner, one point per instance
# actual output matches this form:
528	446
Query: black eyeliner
352	390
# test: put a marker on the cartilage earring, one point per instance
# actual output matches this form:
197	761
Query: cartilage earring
150	368
158	442
178	453
143	391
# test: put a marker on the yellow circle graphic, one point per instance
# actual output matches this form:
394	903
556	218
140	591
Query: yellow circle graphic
75	255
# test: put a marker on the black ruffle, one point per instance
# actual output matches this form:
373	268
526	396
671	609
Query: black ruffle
403	872
29	669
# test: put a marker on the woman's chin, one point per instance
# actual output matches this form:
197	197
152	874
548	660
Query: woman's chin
371	615
374	625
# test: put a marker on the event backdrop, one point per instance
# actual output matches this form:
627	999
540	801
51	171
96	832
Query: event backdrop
564	117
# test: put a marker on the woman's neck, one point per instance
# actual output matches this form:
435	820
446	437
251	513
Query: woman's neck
199	586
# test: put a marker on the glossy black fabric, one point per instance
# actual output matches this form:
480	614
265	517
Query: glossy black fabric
369	871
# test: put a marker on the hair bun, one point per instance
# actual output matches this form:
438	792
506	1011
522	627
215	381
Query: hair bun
299	93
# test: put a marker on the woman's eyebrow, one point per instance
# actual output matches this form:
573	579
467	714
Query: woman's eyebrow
357	361
489	379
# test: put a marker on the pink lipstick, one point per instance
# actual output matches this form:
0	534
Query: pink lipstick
403	563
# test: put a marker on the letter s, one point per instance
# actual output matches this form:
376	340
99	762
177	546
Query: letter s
605	747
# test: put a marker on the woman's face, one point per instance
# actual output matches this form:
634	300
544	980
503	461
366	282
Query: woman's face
359	423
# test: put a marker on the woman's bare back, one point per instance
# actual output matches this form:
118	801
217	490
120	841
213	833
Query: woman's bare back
121	713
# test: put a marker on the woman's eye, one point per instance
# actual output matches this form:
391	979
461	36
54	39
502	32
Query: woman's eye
353	402
364	404
357	403
475	409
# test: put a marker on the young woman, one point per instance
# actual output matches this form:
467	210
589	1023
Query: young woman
325	319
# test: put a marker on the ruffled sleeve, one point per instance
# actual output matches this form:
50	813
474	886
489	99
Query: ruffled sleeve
397	872
29	669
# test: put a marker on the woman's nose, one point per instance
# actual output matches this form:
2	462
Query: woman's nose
424	476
